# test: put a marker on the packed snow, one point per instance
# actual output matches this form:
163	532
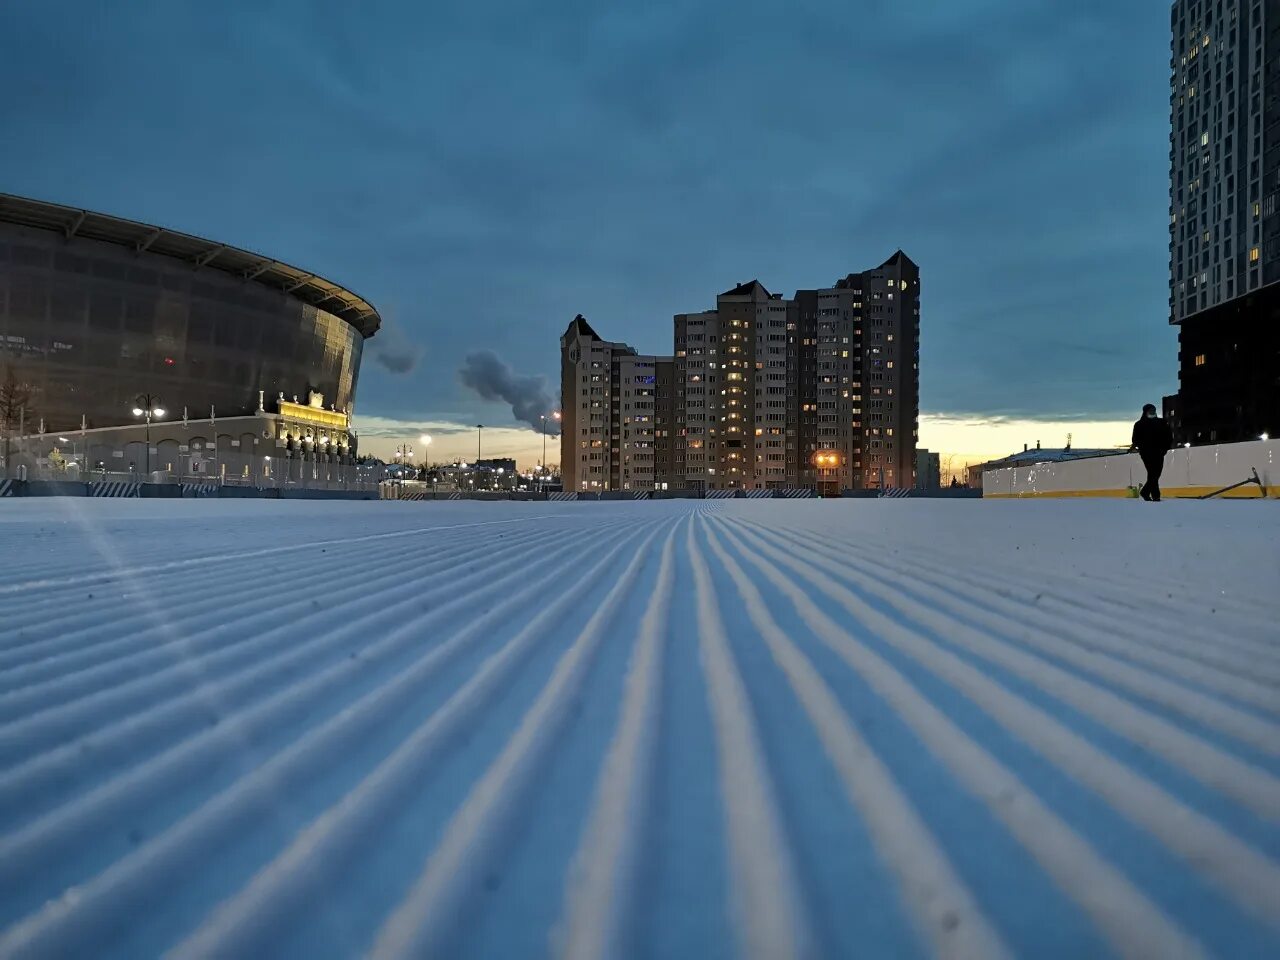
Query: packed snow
748	728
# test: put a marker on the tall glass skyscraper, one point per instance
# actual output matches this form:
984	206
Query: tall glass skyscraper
1224	225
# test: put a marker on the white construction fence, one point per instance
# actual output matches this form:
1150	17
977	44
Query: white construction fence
1188	472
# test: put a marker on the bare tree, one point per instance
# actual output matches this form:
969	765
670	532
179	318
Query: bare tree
945	472
15	406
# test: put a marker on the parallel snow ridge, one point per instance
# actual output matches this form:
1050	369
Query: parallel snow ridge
718	728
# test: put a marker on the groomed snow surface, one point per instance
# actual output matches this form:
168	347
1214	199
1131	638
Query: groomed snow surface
765	729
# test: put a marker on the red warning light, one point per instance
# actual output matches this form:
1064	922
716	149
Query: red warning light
168	361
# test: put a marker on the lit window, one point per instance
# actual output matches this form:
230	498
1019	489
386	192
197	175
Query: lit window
1257	209
1199	359
1254	254
1204	139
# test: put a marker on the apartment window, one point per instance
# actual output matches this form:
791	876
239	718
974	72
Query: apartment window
1199	359
1254	254
1257	209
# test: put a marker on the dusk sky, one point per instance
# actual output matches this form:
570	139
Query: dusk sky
483	171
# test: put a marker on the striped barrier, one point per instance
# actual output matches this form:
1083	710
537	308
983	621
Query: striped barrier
563	495
894	493
755	494
8	488
115	488
199	489
802	493
456	495
719	494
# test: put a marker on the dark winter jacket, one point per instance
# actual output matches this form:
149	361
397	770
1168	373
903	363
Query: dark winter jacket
1151	435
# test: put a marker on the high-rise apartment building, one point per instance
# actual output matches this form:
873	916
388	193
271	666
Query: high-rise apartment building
1224	221
610	418
587	409
762	393
856	354
731	371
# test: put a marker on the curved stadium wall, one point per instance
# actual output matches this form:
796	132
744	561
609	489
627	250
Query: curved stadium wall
89	324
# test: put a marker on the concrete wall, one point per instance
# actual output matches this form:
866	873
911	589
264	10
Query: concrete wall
1188	472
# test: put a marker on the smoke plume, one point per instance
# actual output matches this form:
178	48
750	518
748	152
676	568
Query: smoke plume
392	349
530	396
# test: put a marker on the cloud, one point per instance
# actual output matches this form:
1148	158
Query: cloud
493	379
392	349
407	429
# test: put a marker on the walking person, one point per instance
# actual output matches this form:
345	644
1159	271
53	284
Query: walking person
1152	440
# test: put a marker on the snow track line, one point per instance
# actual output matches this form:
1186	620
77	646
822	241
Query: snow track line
1108	602
1131	923
1117	592
82	642
126	572
143	650
1248	876
77	923
48	778
600	892
244	923
525	738
767	903
70	610
22	737
1228	651
947	611
1188	658
421	924
1215	768
930	606
944	911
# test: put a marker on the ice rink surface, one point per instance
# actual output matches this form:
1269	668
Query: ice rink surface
754	728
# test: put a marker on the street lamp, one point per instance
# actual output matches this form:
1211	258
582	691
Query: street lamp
404	453
825	460
544	442
147	405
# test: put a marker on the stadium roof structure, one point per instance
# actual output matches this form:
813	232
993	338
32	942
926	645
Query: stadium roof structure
306	286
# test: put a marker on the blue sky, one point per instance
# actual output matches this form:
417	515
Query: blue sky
484	171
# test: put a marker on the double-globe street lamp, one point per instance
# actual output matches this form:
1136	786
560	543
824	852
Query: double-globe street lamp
147	405
404	453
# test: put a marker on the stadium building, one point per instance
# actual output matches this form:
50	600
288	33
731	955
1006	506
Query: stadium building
106	322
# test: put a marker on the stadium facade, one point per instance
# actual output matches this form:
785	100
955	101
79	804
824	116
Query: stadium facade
98	313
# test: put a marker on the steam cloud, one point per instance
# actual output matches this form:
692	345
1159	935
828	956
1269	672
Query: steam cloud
392	350
530	396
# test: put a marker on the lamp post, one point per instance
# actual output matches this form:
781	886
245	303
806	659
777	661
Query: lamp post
825	460
404	453
555	415
147	405
479	432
